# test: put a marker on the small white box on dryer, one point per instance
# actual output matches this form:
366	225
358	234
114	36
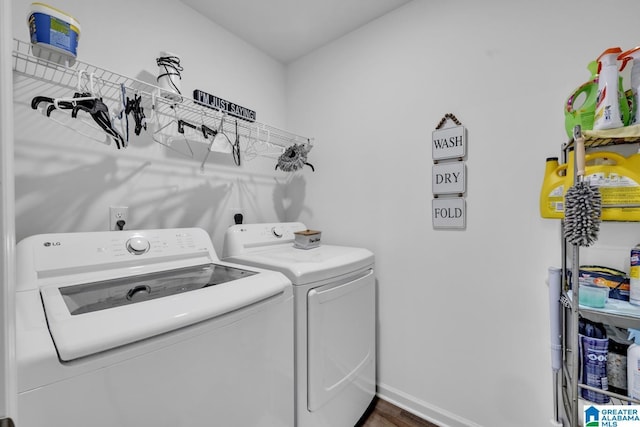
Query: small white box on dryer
307	239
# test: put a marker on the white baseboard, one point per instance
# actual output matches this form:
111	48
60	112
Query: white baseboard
422	409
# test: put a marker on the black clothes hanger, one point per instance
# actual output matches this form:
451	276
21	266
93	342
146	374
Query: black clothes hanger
86	101
134	107
235	147
39	99
100	114
206	130
62	103
83	99
183	123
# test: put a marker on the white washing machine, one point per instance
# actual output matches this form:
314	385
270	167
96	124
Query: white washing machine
149	328
334	292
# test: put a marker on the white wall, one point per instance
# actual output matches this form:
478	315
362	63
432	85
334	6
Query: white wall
65	182
463	315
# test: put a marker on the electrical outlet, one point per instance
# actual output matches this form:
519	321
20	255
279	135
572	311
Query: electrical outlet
116	214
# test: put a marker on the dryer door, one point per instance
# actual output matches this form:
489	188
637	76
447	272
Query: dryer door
341	338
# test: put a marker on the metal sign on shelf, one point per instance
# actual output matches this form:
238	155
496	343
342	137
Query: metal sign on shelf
220	104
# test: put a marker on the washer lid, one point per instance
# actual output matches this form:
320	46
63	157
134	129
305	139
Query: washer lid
102	295
89	318
303	266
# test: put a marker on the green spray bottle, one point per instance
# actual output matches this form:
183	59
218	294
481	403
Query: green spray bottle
633	364
580	107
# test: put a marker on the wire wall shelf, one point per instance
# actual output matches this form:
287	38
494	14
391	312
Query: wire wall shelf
169	116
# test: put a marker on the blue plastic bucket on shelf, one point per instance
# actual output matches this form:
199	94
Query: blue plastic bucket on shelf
54	34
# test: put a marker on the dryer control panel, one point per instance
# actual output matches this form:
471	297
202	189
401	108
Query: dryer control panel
244	238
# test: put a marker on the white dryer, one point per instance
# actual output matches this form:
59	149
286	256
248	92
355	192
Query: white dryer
335	344
149	328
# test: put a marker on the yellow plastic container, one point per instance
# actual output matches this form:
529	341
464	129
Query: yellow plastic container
617	177
554	186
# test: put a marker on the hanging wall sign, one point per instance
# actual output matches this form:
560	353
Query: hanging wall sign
449	212
448	143
448	175
220	104
449	178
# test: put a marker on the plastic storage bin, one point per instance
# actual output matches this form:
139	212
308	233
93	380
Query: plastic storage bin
54	34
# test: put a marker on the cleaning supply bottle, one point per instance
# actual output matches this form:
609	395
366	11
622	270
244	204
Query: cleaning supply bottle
617	367
634	275
580	107
553	188
616	177
608	104
618	180
625	57
593	347
633	364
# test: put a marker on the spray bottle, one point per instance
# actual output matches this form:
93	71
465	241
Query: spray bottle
581	104
593	348
608	104
633	364
625	57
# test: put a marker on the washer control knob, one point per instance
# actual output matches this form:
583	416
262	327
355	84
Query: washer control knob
138	245
277	231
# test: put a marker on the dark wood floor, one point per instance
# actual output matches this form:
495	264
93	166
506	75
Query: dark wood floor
384	414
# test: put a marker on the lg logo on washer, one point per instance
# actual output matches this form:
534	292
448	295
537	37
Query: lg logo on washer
47	244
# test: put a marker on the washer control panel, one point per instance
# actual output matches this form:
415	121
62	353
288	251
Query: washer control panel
57	252
138	245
